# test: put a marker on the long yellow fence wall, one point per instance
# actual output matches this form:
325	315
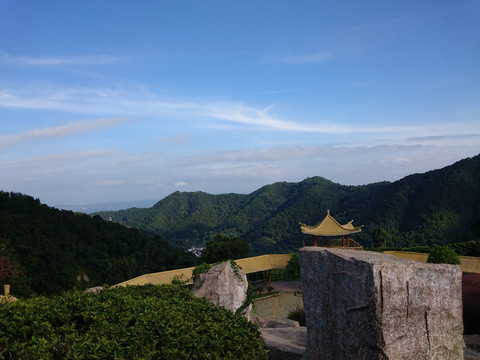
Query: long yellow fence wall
277	261
164	277
468	264
248	265
263	263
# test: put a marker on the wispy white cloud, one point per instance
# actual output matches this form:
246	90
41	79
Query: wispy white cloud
443	137
222	115
110	173
305	59
94	101
89	60
262	118
72	128
45	165
180	184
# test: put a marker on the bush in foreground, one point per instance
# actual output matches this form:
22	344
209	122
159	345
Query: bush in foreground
298	315
149	322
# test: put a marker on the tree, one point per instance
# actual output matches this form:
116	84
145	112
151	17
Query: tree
224	248
9	271
293	267
381	237
443	255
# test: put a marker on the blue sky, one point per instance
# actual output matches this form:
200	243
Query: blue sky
109	101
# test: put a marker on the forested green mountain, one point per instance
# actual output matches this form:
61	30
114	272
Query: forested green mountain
56	248
437	207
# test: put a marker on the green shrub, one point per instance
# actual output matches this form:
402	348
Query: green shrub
298	315
443	255
148	322
200	269
293	268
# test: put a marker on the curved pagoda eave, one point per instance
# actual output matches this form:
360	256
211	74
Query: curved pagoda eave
330	227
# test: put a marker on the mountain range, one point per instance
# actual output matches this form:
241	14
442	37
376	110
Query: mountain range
436	207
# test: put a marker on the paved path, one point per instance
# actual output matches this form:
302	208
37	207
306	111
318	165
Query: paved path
278	306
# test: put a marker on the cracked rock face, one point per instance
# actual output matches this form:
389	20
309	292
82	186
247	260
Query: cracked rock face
223	286
366	305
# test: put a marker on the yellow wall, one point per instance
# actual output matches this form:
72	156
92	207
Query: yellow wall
248	265
468	263
277	261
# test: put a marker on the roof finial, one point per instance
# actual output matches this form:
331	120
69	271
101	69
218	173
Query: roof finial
328	211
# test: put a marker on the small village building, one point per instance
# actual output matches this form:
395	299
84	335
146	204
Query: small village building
330	233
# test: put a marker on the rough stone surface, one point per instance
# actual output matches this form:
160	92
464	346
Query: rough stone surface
472	350
94	289
286	343
274	324
366	305
223	286
472	342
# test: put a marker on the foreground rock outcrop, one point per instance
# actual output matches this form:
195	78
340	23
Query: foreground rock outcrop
284	338
285	343
365	305
223	285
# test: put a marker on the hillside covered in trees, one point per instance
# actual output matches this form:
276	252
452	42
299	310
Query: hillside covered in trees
437	207
46	250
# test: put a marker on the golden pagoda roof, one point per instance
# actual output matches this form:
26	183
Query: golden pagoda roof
330	227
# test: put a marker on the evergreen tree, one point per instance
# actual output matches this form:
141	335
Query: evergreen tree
223	248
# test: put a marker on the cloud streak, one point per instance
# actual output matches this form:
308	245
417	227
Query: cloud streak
72	128
85	60
135	103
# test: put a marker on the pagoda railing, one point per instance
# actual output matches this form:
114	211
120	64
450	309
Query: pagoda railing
334	243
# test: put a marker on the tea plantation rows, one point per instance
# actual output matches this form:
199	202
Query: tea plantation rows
137	322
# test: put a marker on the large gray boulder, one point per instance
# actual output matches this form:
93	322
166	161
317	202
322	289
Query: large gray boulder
366	305
223	285
284	343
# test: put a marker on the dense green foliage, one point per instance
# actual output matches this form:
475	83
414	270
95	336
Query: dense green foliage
381	237
469	248
293	268
437	207
443	255
141	322
222	248
57	250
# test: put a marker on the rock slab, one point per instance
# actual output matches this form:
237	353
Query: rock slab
366	305
284	343
223	286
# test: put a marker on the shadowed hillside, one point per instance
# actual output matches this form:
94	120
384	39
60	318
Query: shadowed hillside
56	250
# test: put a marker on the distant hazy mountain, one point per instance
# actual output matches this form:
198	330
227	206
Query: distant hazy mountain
436	207
92	208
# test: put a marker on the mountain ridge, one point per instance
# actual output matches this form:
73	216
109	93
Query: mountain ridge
420	209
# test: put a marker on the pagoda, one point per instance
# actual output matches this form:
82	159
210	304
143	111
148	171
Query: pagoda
337	235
